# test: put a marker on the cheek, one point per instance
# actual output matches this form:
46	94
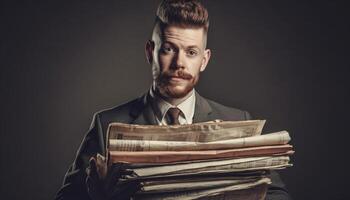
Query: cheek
195	67
164	61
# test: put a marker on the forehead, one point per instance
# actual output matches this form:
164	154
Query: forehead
183	36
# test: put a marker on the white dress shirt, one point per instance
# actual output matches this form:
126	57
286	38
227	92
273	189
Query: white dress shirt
160	108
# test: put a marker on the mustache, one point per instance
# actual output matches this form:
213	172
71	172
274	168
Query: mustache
177	74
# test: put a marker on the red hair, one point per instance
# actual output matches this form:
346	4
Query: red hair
185	13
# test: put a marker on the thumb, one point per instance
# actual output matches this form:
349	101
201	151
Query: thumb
101	164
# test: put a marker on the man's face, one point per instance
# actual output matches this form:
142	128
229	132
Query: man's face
177	55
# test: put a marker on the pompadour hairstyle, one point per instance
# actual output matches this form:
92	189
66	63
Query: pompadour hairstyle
185	13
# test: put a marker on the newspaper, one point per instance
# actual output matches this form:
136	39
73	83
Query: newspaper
254	193
229	172
274	161
210	160
240	164
277	138
200	174
178	156
198	132
192	185
196	194
195	179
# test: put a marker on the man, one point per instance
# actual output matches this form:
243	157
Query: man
177	53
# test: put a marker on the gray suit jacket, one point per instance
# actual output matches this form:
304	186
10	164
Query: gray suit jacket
139	111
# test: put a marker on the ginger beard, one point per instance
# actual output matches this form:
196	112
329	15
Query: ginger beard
175	84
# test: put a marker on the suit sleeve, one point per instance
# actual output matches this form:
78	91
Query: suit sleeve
74	181
277	190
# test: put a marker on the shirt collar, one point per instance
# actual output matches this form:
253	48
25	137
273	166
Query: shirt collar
160	106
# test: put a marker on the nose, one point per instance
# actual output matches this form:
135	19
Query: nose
179	61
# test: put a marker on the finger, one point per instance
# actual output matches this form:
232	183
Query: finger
114	175
125	169
87	170
101	166
128	172
92	164
100	159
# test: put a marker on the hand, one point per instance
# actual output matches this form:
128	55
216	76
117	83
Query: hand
103	180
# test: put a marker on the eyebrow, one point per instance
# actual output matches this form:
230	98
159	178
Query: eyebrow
188	47
192	47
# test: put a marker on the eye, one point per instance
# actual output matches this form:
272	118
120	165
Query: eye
167	49
192	52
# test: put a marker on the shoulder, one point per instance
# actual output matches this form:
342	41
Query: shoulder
121	113
228	113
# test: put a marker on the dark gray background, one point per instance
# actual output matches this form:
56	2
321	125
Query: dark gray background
283	61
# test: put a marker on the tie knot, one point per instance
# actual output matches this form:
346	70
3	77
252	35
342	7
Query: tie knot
173	115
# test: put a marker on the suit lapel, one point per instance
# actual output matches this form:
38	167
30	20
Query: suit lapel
142	112
202	109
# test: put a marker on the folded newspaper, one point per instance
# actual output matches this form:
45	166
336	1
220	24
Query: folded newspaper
208	160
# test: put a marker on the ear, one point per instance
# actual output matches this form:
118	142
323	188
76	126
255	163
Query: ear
206	58
149	51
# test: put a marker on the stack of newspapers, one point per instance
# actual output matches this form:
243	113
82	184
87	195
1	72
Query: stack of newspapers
209	160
